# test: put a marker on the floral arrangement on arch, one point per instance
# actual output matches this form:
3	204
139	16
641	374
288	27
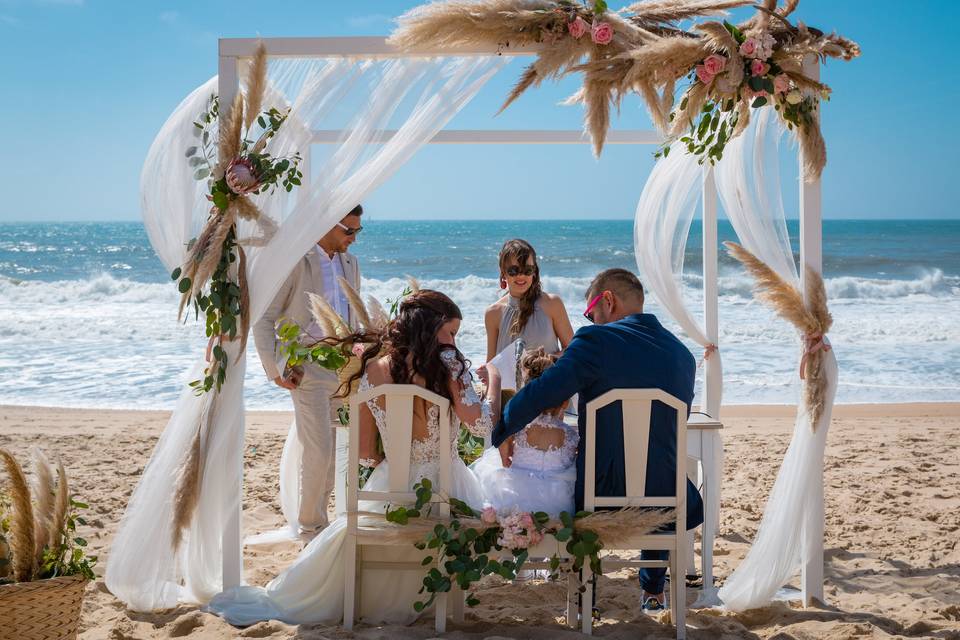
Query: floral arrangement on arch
235	164
642	49
472	544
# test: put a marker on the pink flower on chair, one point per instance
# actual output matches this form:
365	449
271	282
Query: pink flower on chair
602	32
488	515
578	28
357	349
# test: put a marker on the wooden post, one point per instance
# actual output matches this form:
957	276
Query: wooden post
228	86
811	255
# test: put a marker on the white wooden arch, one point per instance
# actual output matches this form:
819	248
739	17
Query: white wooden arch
231	50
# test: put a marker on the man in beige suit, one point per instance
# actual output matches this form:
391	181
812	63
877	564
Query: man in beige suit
314	408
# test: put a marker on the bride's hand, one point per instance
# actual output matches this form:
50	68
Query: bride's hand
483	374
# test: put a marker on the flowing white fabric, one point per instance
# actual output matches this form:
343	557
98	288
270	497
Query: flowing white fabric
419	96
665	212
749	185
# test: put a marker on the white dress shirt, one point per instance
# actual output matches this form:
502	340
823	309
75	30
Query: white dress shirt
331	269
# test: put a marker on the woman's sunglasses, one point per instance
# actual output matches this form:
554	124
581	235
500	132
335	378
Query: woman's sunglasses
513	271
350	231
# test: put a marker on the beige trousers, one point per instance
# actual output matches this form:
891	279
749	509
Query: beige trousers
316	415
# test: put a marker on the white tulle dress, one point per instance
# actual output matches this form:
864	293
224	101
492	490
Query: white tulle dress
311	589
537	479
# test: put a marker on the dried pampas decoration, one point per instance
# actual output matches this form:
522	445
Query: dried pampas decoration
812	320
44	492
22	523
648	54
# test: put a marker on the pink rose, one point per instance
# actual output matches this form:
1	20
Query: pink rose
535	537
781	83
602	32
703	75
357	349
759	68
748	48
578	28
526	521
488	515
241	176
714	63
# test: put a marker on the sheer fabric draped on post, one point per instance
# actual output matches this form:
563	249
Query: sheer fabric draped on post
417	96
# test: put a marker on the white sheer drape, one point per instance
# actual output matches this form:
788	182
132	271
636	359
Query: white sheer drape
418	94
665	212
749	185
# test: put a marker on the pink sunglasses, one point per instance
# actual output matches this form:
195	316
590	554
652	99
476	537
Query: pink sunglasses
588	314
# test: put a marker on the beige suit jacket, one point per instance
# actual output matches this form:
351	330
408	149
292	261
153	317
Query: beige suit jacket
292	303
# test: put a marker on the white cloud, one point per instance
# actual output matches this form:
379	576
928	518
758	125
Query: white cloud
370	20
169	17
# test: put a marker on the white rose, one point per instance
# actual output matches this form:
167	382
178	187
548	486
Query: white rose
794	97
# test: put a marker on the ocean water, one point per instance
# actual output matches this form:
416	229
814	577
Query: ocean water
88	313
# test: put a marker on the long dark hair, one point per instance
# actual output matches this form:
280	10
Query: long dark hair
413	334
521	251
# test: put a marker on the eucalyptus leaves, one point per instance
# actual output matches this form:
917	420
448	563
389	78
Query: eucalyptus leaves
232	157
472	544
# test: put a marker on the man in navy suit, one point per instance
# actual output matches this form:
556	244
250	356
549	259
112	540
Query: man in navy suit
625	348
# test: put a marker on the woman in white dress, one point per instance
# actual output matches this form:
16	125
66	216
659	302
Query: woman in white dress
418	347
536	469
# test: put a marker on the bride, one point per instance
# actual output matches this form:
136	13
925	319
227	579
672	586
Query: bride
418	347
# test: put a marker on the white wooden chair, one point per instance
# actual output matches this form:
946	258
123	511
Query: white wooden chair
637	404
360	552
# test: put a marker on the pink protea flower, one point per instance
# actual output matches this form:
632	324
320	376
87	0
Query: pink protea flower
602	32
488	515
714	63
578	28
759	68
241	176
703	75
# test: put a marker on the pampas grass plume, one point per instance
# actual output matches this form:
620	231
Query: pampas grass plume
44	493
22	525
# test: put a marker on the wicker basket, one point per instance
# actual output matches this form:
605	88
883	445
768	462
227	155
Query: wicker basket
43	609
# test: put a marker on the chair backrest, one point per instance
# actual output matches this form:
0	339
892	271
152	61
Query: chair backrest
637	404
398	402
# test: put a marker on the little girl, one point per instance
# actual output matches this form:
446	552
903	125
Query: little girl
536	469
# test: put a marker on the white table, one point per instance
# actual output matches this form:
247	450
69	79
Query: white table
705	444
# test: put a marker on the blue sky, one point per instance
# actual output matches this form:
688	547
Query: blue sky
86	84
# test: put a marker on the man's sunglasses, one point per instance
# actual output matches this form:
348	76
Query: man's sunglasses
588	314
513	271
350	231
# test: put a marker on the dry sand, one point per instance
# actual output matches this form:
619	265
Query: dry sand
892	529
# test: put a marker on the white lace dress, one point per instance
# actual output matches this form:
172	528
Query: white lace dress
537	480
311	589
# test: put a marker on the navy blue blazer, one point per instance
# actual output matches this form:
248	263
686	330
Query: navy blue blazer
635	352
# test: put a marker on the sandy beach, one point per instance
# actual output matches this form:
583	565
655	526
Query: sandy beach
892	529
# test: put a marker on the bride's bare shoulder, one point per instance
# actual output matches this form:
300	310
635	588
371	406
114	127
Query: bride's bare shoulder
378	371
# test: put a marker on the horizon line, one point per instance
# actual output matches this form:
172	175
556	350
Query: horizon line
472	219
